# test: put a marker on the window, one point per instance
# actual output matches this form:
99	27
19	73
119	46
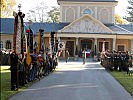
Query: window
87	11
121	47
104	16
1	44
8	44
101	46
70	15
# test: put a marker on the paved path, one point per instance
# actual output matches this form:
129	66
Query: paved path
74	81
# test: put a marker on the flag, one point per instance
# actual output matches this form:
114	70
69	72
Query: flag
18	32
28	58
15	30
39	41
25	39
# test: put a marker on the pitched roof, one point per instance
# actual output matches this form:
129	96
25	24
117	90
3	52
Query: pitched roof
89	0
128	27
7	27
118	29
48	27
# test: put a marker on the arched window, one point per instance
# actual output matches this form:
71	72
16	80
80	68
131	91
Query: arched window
87	11
8	44
104	16
69	15
1	44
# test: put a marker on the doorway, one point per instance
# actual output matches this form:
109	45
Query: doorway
70	46
87	44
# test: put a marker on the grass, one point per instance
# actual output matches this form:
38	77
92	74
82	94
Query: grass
6	83
125	80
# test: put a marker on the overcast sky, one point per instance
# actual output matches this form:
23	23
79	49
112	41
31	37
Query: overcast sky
29	4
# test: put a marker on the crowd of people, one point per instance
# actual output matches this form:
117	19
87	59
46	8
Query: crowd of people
4	57
114	60
44	63
21	73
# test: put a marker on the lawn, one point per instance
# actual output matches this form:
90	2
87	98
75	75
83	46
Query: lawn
125	80
6	83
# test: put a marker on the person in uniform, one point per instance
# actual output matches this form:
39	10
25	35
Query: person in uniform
110	60
35	66
26	78
47	63
122	61
127	60
66	55
84	56
14	71
21	70
102	57
115	60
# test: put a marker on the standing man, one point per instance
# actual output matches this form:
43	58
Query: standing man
84	56
14	70
35	66
66	54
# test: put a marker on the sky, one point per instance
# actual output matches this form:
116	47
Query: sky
29	4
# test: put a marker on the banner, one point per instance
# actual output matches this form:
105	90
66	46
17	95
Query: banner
39	41
18	32
61	46
18	36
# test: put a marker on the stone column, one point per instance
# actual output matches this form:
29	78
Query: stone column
77	46
77	41
58	39
132	46
114	44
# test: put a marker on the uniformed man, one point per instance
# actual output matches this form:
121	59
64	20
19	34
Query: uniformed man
14	71
123	63
102	59
110	58
35	66
126	60
84	56
21	70
66	55
115	60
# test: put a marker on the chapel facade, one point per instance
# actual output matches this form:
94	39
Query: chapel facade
83	24
90	24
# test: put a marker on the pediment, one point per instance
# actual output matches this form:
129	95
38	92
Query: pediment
86	24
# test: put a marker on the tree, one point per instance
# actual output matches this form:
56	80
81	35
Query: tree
130	11
7	8
119	20
54	15
38	14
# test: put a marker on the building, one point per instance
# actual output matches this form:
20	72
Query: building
84	24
